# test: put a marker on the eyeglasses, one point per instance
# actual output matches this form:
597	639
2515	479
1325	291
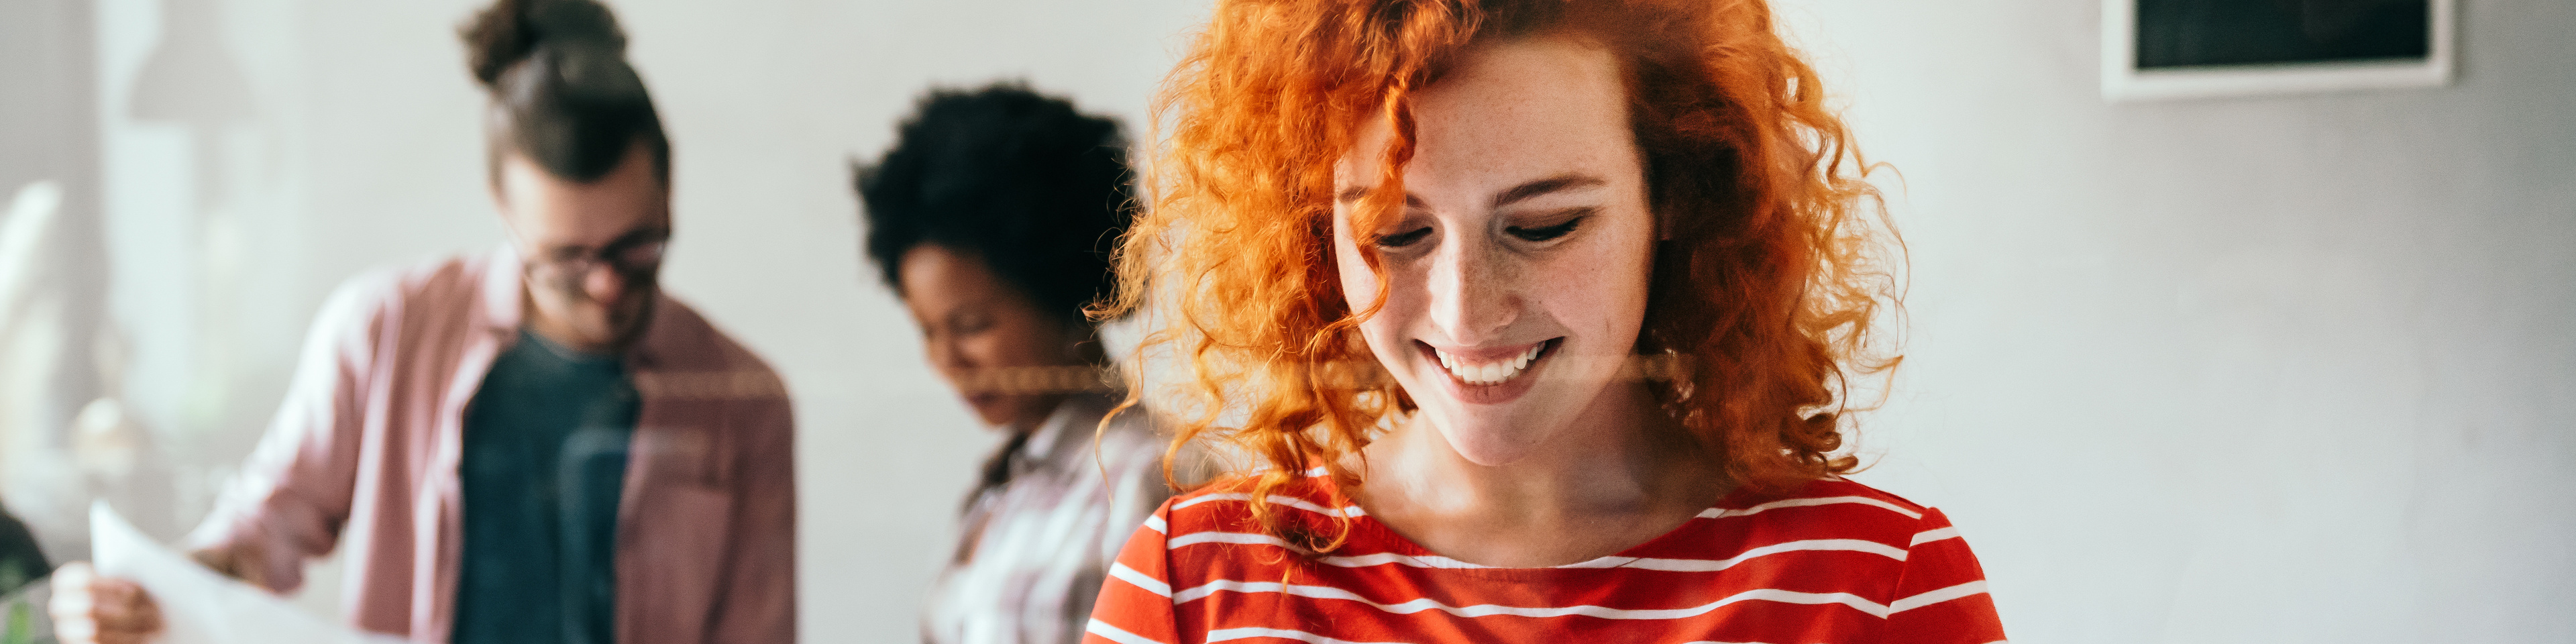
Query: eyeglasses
633	257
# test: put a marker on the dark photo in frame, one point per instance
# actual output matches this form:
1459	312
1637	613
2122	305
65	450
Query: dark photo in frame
2183	49
2198	33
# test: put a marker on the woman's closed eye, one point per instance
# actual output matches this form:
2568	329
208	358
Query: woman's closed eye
969	323
1403	239
1545	233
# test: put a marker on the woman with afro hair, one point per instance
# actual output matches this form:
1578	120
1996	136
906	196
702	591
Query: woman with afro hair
994	217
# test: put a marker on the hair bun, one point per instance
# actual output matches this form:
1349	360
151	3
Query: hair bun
510	31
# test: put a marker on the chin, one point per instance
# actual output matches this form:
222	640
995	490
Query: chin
1491	442
990	414
626	323
1014	411
1495	435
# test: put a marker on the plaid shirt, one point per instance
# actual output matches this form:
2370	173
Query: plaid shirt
1036	548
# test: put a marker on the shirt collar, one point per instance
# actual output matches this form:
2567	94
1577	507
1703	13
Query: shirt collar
1066	430
501	290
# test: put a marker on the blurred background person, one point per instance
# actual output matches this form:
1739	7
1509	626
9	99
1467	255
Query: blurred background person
993	218
594	462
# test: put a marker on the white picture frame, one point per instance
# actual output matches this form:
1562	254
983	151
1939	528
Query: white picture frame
2123	82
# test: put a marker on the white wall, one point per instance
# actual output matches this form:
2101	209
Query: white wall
2295	369
2280	369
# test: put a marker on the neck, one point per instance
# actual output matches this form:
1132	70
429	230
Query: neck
1040	411
1624	456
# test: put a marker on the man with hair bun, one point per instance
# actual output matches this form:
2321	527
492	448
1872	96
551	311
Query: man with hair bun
531	444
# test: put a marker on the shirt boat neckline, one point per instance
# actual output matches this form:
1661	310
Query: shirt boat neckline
1423	557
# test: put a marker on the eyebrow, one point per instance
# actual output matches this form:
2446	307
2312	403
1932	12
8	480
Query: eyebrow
1519	193
1550	185
1354	193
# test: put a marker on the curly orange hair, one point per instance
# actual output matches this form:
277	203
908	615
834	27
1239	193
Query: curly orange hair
1766	287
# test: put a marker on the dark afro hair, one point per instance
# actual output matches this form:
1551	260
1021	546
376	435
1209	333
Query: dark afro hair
1035	189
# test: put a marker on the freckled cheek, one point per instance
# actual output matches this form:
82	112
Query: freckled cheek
1395	326
1599	300
1382	331
1359	286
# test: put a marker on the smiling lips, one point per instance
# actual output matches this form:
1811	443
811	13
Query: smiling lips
1494	372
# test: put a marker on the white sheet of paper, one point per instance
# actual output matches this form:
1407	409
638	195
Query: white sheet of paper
199	605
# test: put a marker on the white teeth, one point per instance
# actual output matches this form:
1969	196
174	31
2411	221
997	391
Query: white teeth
1490	372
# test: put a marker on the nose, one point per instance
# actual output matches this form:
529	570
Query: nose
1474	292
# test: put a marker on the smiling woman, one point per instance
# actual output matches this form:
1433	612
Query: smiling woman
1514	277
1425	248
1764	272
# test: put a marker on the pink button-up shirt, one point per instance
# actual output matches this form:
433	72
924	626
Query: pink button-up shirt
371	431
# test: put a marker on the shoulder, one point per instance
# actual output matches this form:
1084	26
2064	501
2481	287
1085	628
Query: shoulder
434	284
1825	491
1829	508
1138	437
1904	560
1130	434
1225	505
445	288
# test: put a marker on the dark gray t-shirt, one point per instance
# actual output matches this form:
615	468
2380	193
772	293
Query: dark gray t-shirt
544	466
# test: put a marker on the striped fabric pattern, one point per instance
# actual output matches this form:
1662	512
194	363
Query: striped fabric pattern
1833	561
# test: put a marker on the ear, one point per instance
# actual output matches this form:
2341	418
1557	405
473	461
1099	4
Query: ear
500	198
509	220
494	158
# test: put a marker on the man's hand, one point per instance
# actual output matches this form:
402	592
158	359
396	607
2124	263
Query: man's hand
234	563
90	609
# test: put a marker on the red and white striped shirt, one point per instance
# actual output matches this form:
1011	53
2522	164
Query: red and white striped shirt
1833	561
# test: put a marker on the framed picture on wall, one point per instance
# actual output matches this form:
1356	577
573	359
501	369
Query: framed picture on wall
2171	49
